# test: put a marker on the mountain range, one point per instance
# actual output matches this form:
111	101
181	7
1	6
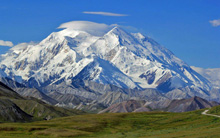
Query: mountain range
82	70
16	108
177	105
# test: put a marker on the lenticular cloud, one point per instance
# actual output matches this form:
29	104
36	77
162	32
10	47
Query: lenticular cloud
6	43
93	28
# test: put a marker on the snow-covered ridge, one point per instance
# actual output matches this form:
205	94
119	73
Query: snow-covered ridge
211	74
117	57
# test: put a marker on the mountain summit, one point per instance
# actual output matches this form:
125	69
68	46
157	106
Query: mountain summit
126	60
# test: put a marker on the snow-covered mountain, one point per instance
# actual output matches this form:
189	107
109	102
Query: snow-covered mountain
126	60
211	74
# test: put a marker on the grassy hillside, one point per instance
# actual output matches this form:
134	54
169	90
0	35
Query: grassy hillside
130	125
19	109
214	110
40	110
11	112
15	108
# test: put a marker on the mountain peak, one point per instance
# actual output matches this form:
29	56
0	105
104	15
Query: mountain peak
133	59
95	29
117	30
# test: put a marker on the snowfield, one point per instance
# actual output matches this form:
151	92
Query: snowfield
126	60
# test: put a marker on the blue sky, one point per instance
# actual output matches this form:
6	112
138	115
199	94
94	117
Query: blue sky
182	26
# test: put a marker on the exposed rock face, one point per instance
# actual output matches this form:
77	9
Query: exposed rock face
5	91
32	92
187	92
158	105
110	98
88	93
142	109
190	104
149	95
126	106
149	76
68	99
182	105
77	88
117	99
11	112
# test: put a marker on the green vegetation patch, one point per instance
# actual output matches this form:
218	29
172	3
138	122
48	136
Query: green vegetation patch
40	110
119	125
214	110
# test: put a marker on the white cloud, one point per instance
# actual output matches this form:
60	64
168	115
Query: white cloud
104	13
6	43
93	28
215	23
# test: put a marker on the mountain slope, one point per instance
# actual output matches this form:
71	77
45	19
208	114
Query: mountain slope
215	110
32	92
181	105
126	60
190	104
125	107
7	92
176	105
17	108
11	112
40	110
213	75
68	99
24	91
102	71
